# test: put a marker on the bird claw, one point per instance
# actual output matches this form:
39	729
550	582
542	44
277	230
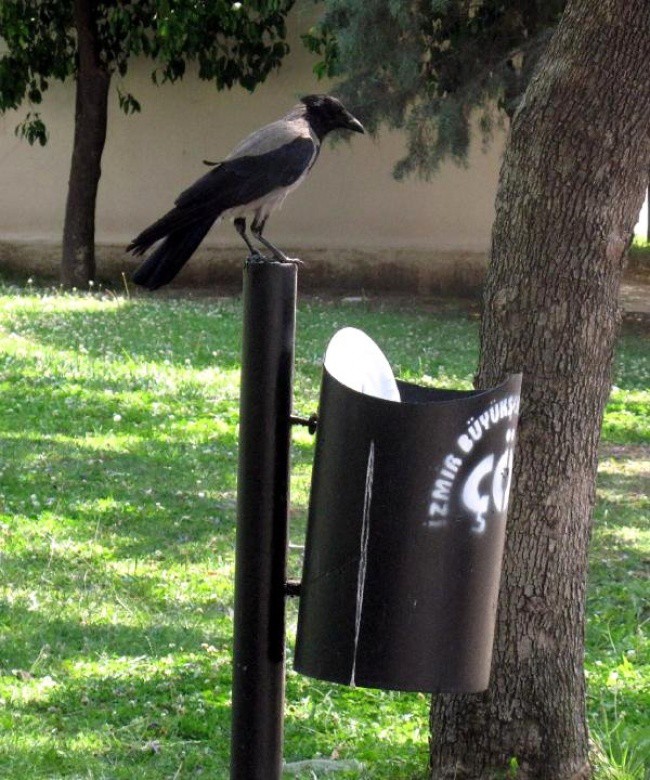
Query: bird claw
292	260
278	257
257	257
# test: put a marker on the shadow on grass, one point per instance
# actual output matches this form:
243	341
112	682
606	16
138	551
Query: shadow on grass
57	612
139	493
25	633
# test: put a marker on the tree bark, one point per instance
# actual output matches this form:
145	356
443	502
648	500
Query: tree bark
571	187
78	261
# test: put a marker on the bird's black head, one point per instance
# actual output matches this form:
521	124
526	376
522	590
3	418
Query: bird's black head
326	113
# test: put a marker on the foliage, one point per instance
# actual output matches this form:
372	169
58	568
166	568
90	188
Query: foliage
117	513
432	66
230	42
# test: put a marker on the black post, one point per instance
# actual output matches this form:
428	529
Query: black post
269	303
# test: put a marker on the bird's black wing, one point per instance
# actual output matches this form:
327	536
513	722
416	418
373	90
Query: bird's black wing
241	180
234	182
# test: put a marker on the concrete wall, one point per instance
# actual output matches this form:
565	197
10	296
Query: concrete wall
350	211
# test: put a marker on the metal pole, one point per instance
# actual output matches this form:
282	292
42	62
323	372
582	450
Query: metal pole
269	303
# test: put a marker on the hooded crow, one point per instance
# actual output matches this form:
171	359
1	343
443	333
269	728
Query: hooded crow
252	181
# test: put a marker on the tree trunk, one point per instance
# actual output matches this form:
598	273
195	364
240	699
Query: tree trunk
78	261
571	187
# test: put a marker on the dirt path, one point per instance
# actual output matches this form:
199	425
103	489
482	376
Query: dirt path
635	295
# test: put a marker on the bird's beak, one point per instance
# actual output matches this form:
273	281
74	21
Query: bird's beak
354	124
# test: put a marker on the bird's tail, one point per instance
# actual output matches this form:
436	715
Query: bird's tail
167	260
173	220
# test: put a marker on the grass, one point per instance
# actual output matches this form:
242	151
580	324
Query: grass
117	511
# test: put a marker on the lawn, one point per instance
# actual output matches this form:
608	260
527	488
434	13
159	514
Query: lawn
118	420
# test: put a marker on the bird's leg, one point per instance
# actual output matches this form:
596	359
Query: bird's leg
256	230
240	227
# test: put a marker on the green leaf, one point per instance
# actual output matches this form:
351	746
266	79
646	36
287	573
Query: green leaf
391	58
232	42
128	103
32	129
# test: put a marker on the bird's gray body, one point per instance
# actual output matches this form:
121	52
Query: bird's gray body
273	136
252	181
269	139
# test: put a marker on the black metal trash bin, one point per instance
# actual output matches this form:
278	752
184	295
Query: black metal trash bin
405	536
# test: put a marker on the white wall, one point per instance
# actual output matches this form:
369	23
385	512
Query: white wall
350	201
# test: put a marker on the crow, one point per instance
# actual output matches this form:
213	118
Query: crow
252	181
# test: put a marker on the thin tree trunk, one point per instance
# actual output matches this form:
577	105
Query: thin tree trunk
78	261
571	187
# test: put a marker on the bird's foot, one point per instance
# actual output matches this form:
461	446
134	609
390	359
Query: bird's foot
292	260
257	257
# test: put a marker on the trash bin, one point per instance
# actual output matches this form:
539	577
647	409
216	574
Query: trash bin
406	527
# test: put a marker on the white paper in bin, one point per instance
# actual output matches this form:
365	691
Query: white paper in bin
356	361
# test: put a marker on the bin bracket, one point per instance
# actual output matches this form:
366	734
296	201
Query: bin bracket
292	588
311	422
